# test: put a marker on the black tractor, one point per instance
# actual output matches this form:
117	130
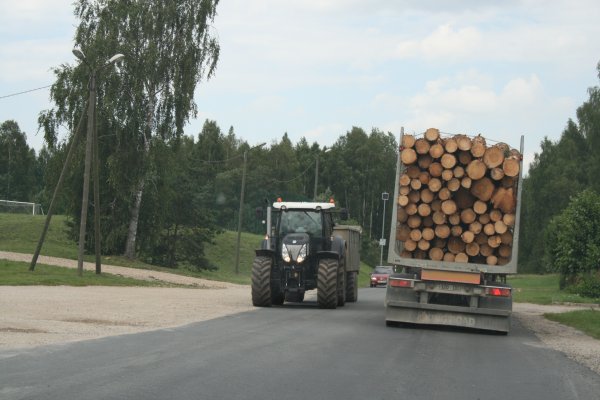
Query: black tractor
303	250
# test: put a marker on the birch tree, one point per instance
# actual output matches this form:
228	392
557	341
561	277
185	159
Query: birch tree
169	48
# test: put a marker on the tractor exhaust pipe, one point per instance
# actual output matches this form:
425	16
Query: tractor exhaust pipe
269	231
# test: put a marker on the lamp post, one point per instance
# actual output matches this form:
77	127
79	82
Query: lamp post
91	144
9	176
239	231
325	150
384	196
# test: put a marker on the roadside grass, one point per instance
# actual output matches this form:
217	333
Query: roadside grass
20	233
587	321
18	274
543	289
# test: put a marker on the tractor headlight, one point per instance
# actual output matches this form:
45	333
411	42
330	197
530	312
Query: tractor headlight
302	254
285	254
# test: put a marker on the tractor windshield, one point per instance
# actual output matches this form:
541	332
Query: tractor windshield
301	221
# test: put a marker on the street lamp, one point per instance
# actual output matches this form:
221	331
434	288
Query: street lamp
10	142
91	139
239	231
325	150
385	197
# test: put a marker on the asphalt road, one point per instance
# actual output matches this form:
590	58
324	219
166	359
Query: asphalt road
300	352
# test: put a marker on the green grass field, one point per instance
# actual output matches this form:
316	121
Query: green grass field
18	274
587	321
543	289
20	233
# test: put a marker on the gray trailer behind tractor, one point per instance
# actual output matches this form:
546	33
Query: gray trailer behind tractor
445	281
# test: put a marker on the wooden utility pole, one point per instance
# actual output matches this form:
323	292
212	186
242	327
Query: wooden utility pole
74	141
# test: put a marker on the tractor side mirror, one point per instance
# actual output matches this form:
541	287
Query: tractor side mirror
344	214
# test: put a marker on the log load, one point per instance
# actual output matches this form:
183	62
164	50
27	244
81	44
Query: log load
457	198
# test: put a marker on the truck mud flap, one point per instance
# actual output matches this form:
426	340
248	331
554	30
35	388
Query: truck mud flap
435	314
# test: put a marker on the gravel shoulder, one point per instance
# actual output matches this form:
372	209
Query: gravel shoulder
40	315
573	343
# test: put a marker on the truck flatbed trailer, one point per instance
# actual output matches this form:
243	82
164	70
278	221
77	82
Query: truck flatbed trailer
437	292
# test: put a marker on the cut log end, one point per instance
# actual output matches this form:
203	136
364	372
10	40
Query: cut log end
432	134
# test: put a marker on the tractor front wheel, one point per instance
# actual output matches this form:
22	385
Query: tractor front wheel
261	282
327	283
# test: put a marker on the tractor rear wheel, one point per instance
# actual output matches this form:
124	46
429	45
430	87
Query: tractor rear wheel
261	282
341	301
351	287
327	281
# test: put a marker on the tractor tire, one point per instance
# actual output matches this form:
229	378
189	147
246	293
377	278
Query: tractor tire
341	301
351	287
327	287
261	282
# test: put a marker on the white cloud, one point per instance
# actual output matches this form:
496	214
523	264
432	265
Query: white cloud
29	60
495	66
271	104
522	92
445	42
519	106
325	134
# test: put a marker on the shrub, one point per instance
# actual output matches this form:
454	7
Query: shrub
587	287
572	239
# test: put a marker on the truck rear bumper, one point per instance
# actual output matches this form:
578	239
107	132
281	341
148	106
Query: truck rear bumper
436	314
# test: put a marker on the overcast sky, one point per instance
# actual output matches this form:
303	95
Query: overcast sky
315	68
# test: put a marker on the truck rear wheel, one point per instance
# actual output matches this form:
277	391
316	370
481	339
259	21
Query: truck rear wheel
351	287
327	288
261	282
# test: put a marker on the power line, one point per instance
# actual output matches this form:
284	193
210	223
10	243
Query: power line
26	91
293	179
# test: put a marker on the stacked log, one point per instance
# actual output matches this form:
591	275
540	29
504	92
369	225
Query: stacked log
457	198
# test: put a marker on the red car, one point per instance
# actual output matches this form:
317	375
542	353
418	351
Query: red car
380	275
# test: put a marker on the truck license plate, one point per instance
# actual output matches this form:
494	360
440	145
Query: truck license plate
448	287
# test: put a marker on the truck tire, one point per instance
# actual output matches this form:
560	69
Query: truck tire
327	288
341	301
351	287
261	282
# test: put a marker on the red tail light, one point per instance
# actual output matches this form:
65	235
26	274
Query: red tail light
400	283
498	292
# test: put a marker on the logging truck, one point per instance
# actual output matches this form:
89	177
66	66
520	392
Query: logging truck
454	232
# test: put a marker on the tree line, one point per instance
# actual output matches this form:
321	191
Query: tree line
560	230
195	186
